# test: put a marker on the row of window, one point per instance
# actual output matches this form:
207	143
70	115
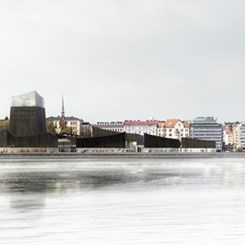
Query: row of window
173	130
140	128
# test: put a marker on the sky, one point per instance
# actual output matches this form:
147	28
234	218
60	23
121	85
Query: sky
114	60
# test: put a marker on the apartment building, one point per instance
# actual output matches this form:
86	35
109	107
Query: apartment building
74	123
173	128
207	128
141	127
240	135
228	134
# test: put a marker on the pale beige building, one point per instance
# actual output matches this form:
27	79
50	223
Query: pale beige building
174	129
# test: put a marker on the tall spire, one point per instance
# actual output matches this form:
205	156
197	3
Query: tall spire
63	107
62	118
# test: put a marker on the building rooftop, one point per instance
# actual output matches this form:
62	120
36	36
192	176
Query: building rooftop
110	123
140	123
66	118
205	120
31	99
170	123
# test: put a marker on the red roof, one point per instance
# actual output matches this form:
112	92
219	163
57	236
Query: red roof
186	124
140	123
170	123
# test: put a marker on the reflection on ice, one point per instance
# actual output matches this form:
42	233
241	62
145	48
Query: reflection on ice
123	201
41	177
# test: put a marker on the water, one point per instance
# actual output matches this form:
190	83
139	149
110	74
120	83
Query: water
122	201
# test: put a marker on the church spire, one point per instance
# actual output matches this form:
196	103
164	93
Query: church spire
62	118
63	107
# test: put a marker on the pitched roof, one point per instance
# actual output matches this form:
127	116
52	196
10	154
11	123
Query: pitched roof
170	123
140	123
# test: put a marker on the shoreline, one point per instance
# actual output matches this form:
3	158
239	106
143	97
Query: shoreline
74	155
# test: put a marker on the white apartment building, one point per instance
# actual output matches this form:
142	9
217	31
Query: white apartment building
240	135
141	127
174	129
228	138
111	126
74	123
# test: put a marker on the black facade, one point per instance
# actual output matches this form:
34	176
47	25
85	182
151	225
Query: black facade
27	126
152	141
99	132
195	143
27	121
45	140
110	141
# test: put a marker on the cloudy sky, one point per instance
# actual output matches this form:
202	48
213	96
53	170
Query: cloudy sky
126	59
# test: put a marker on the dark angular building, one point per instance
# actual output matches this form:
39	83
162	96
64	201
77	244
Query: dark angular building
195	143
27	115
152	141
27	123
109	141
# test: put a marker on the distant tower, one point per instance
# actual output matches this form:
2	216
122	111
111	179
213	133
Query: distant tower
62	118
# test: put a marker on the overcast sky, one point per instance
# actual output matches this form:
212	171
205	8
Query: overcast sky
126	59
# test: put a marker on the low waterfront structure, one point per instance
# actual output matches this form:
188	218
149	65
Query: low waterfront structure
139	143
110	126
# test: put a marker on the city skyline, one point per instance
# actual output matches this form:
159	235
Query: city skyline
62	113
116	60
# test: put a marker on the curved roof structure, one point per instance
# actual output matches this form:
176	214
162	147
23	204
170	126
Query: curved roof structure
31	99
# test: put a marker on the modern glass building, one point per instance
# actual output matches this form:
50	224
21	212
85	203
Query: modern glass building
207	128
27	115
